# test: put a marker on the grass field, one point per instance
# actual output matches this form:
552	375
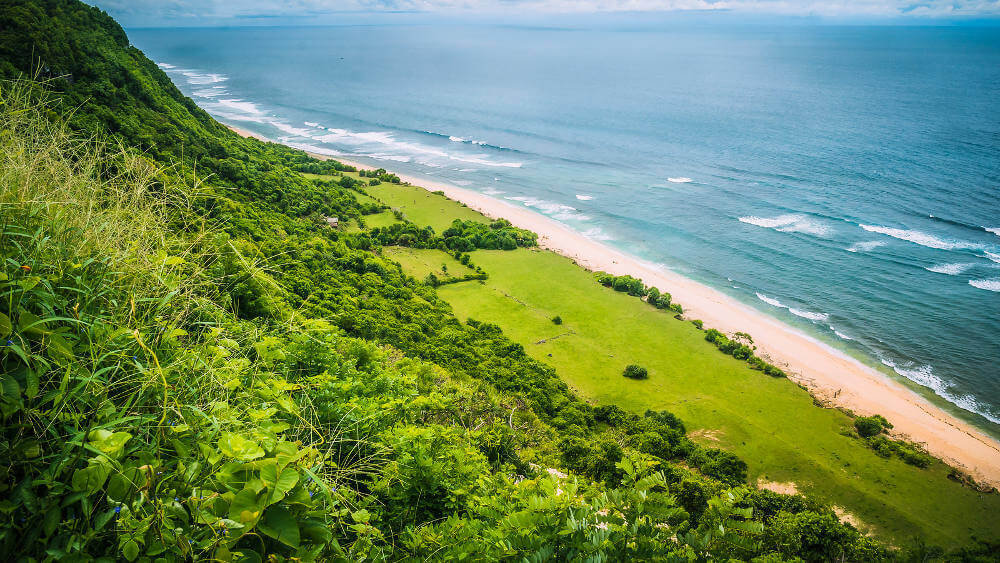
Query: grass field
772	424
419	263
423	207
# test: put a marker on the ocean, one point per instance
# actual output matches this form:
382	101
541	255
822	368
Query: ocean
845	180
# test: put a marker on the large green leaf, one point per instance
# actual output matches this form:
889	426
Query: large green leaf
109	443
278	482
90	479
247	507
279	524
5	326
238	447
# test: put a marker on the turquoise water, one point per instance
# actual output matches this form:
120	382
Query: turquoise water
843	179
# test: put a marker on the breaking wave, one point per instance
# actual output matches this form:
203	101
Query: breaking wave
921	238
866	246
789	223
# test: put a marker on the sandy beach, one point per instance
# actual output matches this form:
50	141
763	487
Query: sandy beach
831	376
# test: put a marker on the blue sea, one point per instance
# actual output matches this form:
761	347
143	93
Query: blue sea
845	180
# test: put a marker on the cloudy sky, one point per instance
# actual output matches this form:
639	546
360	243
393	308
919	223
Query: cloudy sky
215	12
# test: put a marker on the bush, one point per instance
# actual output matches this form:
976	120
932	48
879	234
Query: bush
557	320
698	324
633	371
868	426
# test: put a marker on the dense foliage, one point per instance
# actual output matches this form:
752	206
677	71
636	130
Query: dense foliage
197	367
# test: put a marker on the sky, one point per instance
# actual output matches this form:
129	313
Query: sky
136	13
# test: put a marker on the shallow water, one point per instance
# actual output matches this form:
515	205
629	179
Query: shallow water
843	179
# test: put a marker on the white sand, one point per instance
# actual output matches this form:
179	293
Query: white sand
832	376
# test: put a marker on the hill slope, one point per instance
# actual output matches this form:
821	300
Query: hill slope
197	366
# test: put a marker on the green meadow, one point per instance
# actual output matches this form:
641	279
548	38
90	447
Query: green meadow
771	423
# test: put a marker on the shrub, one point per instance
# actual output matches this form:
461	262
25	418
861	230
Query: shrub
633	371
557	320
698	323
868	426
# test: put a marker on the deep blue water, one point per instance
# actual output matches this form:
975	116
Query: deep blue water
843	179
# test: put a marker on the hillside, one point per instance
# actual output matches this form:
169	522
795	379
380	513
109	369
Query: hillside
196	366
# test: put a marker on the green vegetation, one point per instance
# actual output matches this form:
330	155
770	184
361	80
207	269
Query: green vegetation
196	366
768	422
633	371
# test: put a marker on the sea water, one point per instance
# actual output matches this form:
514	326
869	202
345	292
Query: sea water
843	179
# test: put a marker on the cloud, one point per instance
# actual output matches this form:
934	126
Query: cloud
197	12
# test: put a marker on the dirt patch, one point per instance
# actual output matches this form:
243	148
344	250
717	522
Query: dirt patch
788	488
848	518
708	435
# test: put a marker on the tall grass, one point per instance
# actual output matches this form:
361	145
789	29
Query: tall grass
128	386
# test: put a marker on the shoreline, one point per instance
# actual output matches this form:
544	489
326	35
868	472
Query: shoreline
833	377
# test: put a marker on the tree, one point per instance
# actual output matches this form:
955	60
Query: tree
633	371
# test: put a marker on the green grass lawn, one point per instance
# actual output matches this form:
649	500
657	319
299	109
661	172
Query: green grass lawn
770	423
423	207
419	263
383	219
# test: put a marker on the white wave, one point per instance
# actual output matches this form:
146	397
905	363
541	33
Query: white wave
455	139
313	124
597	234
950	269
493	191
789	223
559	211
866	246
797	312
988	285
165	66
921	238
461	182
582	197
808	314
240	105
771	301
993	257
840	334
209	92
924	375
227	116
286	128
195	77
417	150
680	180
994	230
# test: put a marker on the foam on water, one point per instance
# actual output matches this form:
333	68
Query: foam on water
841	335
195	77
866	246
680	180
789	223
988	285
993	256
555	210
493	191
808	314
994	230
241	105
771	301
314	124
921	238
797	312
165	66
597	234
289	129
924	375
950	269
583	197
